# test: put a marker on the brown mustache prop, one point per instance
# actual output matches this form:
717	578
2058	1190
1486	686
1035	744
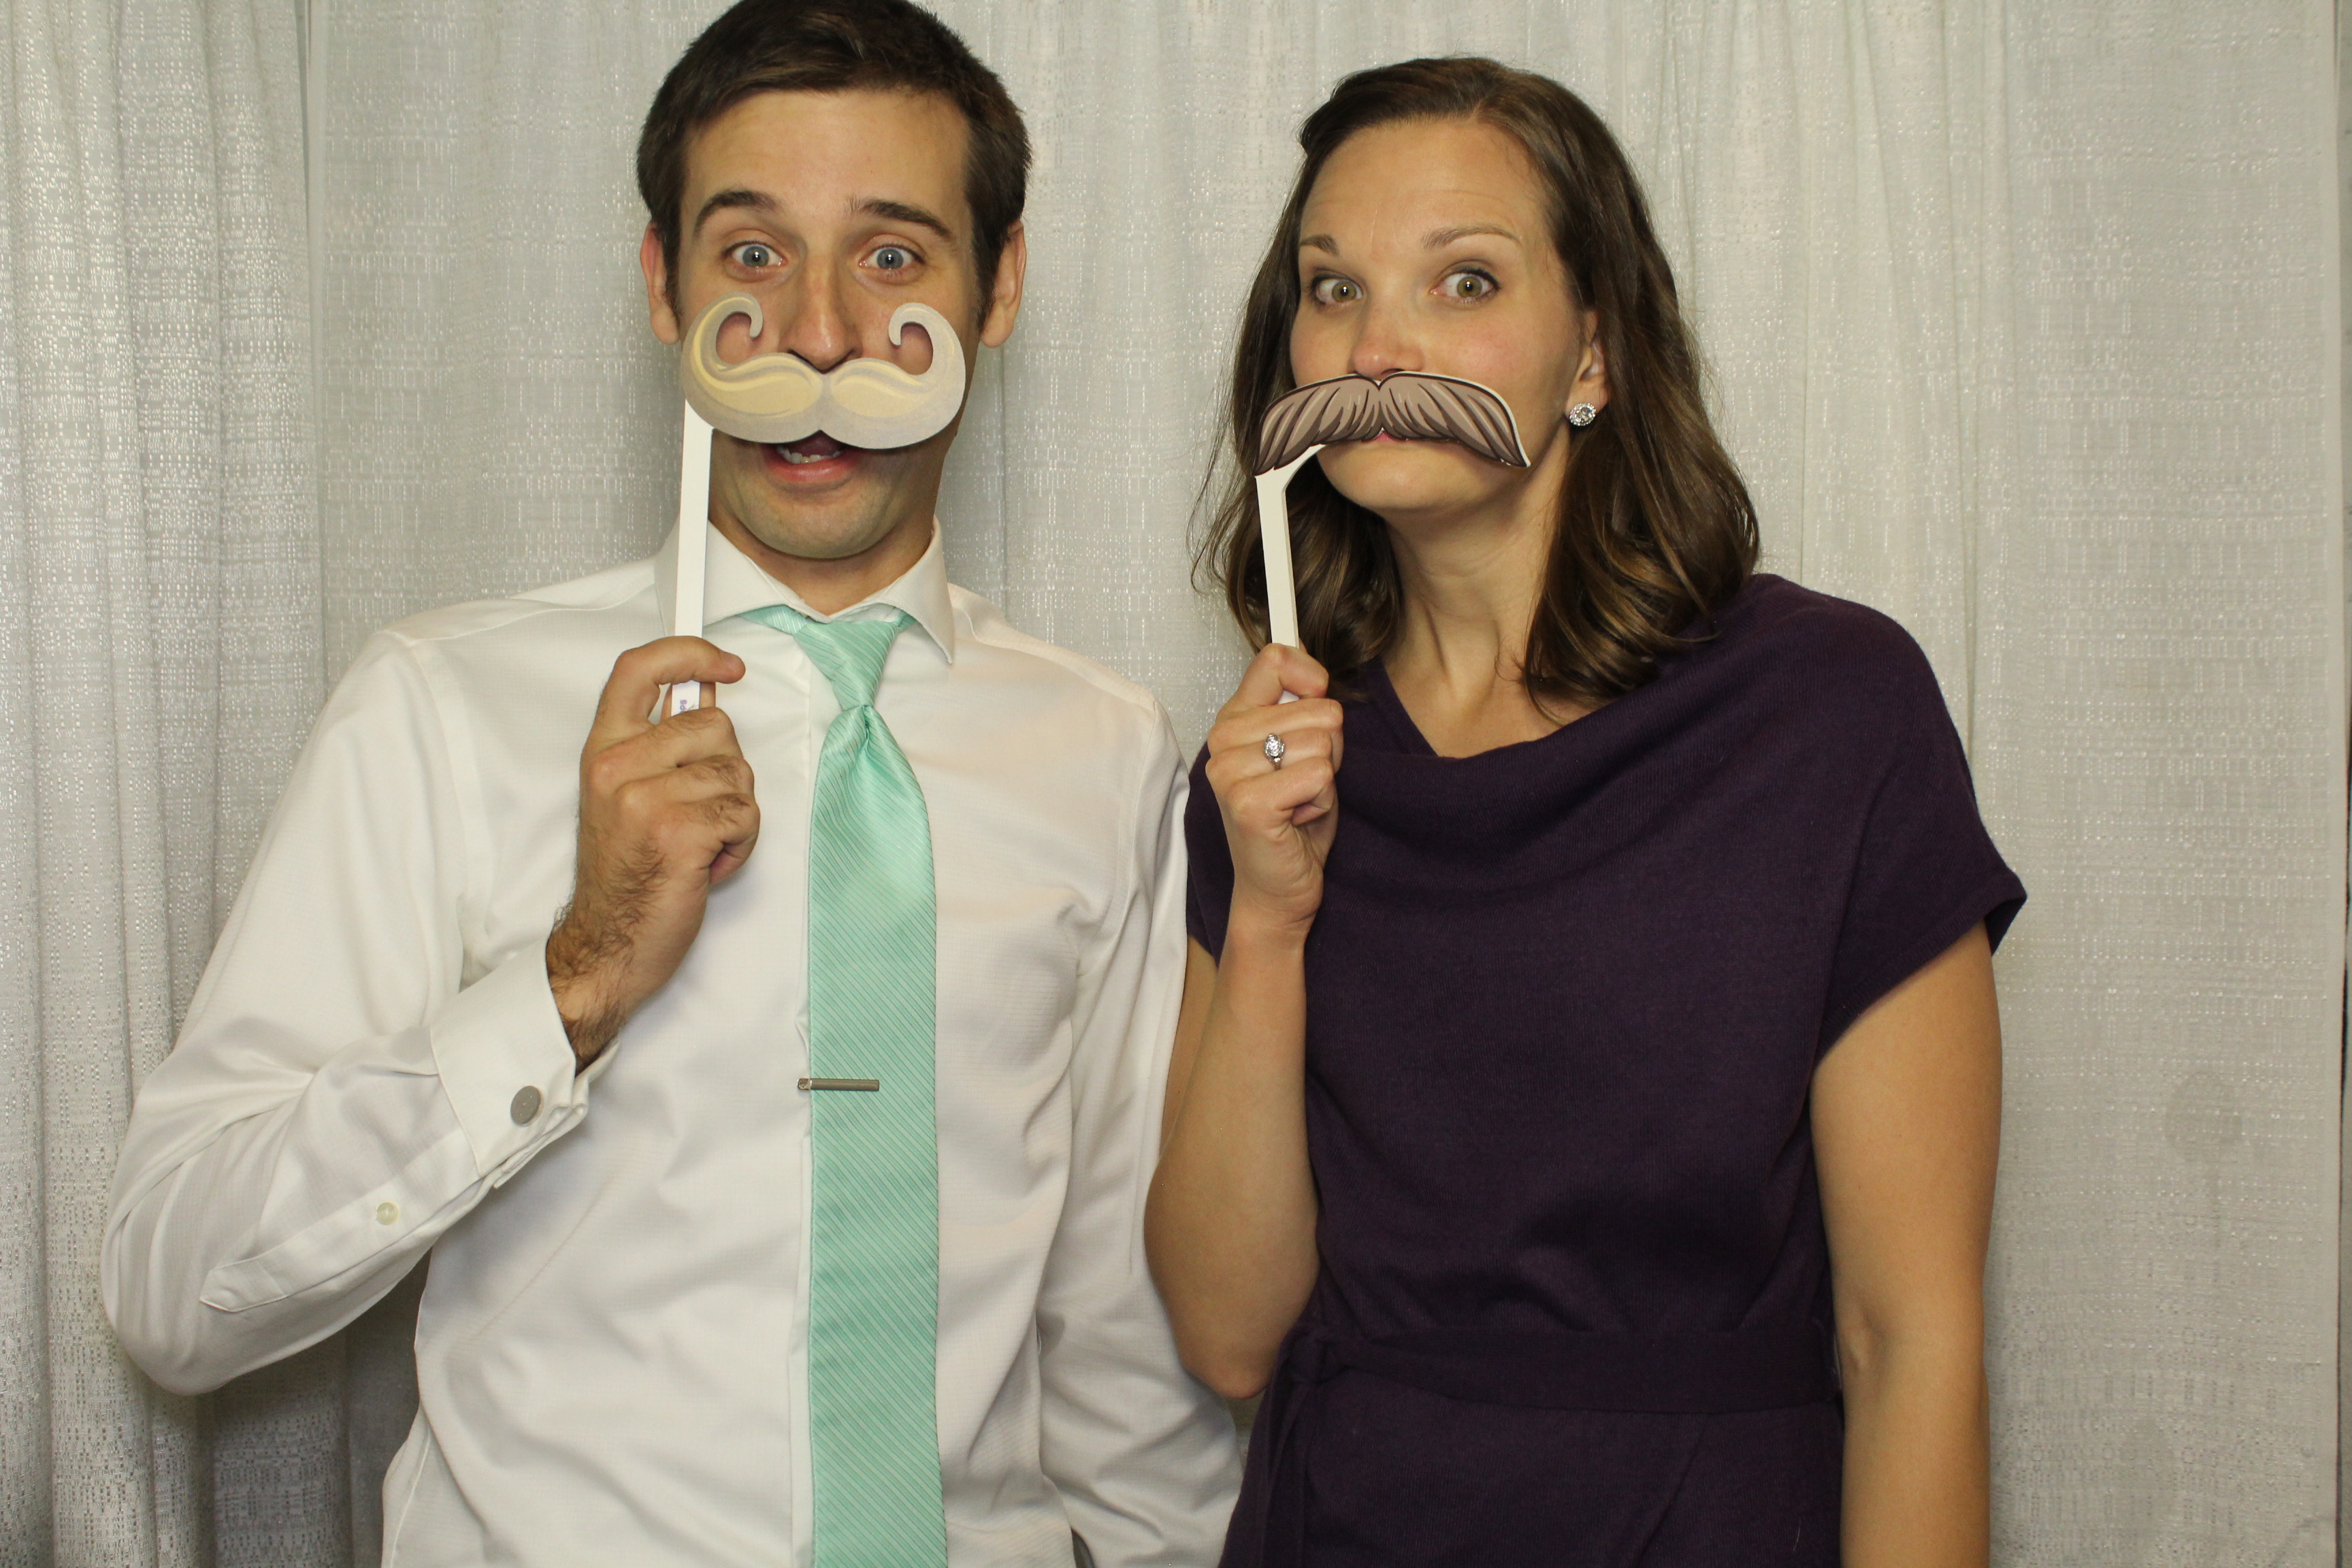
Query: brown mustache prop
1409	405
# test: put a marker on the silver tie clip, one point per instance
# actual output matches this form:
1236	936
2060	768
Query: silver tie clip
867	1084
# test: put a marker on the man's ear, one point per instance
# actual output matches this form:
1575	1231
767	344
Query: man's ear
1004	298
657	270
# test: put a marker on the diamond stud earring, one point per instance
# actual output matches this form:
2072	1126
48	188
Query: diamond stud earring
1583	414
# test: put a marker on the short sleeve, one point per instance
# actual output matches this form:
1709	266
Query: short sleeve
1209	884
1924	871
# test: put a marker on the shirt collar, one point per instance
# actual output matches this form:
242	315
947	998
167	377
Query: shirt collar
733	583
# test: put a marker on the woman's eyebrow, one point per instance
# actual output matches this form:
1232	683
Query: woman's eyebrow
1438	238
1435	239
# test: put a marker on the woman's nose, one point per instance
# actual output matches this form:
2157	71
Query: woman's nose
1384	344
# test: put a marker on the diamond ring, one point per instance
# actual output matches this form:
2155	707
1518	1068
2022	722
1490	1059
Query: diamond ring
1274	750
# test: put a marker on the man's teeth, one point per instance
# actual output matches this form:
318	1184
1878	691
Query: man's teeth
809	449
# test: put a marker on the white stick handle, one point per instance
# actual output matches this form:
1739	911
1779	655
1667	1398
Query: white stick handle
693	525
1273	543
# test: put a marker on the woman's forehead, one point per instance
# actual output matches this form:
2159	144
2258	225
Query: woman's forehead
1434	180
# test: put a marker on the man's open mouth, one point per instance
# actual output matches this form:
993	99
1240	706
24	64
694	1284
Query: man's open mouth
813	449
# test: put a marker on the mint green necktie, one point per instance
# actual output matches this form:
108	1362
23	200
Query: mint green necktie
874	1244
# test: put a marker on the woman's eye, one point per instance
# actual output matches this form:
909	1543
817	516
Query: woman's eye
1336	291
1467	285
754	254
893	258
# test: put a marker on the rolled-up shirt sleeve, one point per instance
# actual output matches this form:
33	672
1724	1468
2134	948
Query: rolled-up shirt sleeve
348	1083
1143	1455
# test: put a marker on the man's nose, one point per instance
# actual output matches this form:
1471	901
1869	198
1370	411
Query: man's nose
811	321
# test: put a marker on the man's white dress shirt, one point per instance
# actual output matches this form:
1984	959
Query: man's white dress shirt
612	1346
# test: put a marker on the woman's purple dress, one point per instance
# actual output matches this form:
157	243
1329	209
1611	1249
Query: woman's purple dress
1564	1003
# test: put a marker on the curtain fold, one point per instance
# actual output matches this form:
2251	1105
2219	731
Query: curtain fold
490	399
2160	744
2022	327
161	659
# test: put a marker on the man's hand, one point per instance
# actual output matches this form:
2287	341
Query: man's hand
666	814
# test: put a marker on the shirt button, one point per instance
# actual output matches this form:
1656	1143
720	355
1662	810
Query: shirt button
386	1213
525	1106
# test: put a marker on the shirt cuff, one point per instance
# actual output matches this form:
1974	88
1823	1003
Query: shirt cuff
507	1064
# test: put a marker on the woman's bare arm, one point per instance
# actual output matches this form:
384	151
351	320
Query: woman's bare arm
1191	1022
1231	1222
1231	1225
1906	1130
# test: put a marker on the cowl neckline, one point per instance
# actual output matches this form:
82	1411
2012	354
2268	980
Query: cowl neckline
1503	801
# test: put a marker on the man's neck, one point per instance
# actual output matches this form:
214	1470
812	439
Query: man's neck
829	587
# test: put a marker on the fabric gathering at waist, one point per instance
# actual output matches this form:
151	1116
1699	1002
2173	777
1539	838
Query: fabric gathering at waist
1682	1373
1677	1373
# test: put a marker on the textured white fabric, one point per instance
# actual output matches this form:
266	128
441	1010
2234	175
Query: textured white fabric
613	1345
2023	318
159	657
2344	383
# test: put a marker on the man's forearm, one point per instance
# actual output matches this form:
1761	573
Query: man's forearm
264	1199
213	1259
1143	1456
578	955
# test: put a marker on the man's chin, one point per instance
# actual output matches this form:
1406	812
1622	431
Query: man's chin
813	531
835	505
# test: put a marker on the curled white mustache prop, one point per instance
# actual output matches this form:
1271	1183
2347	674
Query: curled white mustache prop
780	397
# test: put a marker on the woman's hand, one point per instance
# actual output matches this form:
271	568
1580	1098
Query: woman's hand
1279	820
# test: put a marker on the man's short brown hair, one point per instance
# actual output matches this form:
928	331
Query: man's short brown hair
836	46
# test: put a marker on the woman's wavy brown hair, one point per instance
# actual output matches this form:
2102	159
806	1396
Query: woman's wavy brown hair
1656	529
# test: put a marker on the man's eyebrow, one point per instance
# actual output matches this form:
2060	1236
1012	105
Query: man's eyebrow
761	202
1438	238
758	201
902	212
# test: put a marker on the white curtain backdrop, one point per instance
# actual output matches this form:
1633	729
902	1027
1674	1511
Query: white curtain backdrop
2024	321
160	659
